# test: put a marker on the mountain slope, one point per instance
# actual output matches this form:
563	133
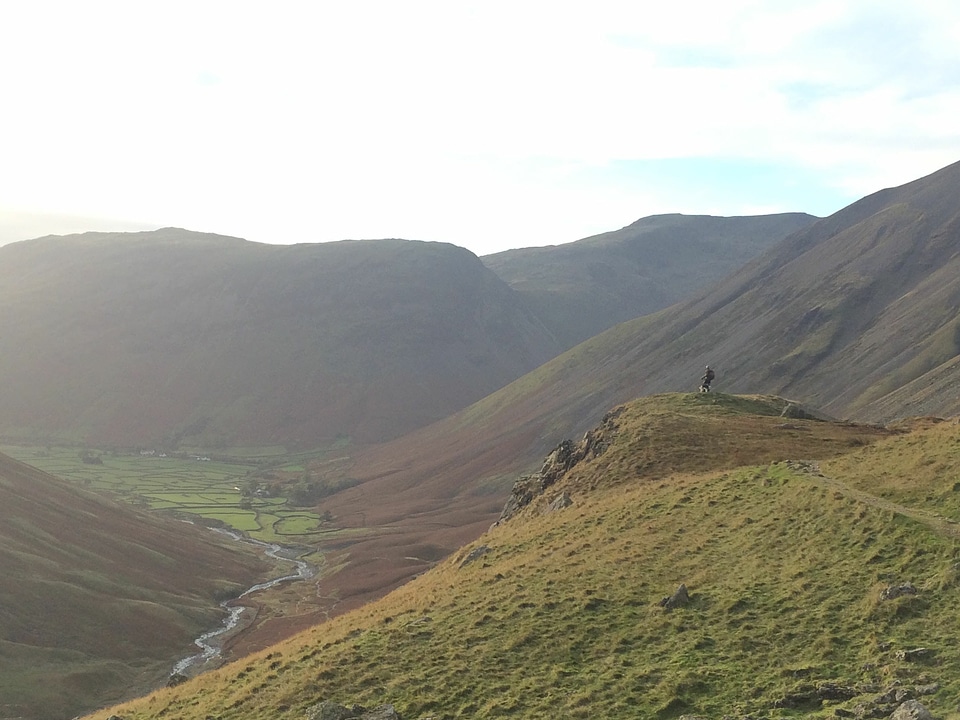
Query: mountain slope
811	586
844	314
98	600
170	336
582	288
851	314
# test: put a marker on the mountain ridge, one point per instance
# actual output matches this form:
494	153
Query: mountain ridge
582	288
163	336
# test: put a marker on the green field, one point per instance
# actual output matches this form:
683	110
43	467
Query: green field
245	490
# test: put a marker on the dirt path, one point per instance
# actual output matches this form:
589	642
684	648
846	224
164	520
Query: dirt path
943	525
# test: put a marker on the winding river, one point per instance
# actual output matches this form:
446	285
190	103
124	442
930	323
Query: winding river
208	643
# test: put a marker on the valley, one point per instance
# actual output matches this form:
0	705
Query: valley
254	491
98	596
366	408
247	494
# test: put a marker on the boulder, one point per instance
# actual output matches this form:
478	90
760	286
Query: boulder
912	655
680	598
892	592
911	710
562	501
475	554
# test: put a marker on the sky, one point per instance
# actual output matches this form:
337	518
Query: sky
490	125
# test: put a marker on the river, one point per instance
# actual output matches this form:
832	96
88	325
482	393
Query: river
210	643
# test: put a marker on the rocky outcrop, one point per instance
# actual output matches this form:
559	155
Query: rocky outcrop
809	696
475	554
176	679
895	699
560	502
894	591
796	411
911	710
563	457
680	598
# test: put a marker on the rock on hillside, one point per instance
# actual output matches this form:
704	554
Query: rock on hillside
582	288
168	336
557	463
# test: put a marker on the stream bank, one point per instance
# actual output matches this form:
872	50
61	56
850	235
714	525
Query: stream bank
211	643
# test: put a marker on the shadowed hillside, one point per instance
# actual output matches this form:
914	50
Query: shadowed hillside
582	288
172	336
98	600
810	587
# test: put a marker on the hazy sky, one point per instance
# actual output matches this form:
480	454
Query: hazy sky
486	124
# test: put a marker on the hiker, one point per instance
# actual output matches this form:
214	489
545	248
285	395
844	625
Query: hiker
707	378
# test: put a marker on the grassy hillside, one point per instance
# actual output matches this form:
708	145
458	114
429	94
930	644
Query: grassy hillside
788	535
97	601
169	337
582	288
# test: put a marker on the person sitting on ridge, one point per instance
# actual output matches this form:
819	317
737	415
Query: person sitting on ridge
707	378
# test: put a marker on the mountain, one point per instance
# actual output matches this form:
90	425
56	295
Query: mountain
856	314
713	560
172	336
856	311
844	314
584	287
99	600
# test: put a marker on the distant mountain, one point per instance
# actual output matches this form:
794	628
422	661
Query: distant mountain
99	600
170	336
173	336
859	314
582	288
